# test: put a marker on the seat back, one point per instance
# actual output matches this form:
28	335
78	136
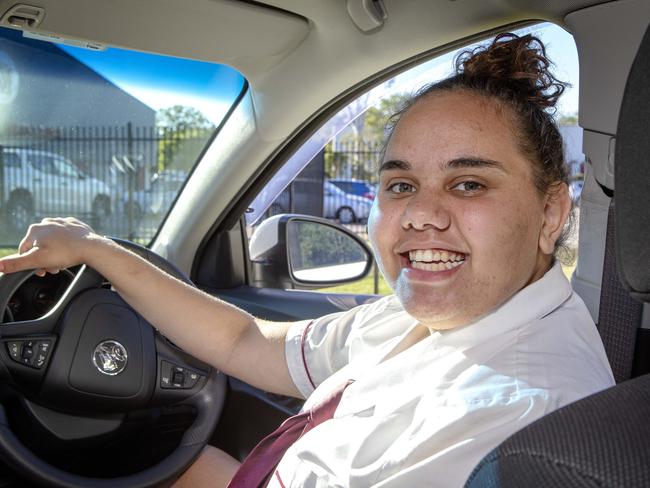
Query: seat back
619	315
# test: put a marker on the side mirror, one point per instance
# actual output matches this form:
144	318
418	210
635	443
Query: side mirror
300	251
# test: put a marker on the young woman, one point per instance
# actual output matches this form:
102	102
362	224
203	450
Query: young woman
483	335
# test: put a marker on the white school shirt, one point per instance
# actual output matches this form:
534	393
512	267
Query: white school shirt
426	416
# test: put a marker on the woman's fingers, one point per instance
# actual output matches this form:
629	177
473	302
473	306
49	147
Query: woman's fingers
20	262
49	246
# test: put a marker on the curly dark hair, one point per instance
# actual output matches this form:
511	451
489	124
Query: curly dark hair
515	72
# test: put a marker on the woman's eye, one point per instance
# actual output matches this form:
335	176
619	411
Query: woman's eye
469	186
401	187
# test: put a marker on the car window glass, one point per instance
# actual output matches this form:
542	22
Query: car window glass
110	123
10	160
334	173
42	163
64	168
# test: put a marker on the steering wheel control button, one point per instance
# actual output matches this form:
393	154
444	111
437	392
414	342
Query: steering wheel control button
110	357
41	356
191	379
176	377
30	352
15	348
166	375
27	354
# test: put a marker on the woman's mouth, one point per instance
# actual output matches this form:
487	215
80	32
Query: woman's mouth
434	259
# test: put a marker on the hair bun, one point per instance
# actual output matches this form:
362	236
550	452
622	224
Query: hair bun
516	63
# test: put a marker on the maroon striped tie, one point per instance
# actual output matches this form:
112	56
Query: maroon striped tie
261	462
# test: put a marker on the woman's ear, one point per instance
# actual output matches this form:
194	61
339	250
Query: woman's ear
556	212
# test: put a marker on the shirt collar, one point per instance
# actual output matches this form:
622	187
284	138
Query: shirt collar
529	304
532	302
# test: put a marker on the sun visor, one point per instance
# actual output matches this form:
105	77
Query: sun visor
632	176
243	35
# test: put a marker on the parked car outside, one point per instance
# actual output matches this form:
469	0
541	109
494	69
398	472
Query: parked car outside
354	186
158	198
343	206
40	183
575	190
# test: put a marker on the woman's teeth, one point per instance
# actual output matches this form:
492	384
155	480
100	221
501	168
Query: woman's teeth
429	260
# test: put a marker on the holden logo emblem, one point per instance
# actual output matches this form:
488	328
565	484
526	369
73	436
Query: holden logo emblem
110	357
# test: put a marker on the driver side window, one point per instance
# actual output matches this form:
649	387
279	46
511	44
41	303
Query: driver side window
333	175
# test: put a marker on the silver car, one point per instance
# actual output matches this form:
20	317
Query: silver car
345	207
39	183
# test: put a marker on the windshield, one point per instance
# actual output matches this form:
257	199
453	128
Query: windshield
106	136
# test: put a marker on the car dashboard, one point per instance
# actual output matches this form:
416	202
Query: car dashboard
38	295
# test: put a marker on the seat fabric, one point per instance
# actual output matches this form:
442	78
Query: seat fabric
599	441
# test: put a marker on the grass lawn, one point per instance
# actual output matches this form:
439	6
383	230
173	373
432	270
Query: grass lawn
4	251
363	287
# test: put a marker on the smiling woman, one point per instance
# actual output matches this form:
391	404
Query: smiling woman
484	186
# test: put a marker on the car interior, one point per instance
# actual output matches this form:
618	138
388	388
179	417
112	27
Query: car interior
302	62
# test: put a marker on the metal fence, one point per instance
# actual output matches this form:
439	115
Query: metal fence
340	183
120	179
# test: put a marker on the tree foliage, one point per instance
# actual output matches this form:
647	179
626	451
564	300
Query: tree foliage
184	131
568	119
315	245
181	117
377	117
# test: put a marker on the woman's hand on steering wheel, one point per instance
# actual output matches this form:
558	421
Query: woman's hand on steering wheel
51	245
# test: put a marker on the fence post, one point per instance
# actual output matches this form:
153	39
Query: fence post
375	278
3	203
131	177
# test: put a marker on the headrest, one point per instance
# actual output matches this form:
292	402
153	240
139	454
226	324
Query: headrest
632	178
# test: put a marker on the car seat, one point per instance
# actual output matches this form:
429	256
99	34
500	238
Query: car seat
602	440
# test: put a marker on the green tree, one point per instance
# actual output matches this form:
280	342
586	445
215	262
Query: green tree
181	117
377	117
567	119
183	132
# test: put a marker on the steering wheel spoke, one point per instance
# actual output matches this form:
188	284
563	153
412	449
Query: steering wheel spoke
179	375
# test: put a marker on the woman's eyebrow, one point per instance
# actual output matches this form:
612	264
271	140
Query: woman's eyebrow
394	164
472	162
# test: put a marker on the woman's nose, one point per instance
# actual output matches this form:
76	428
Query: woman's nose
425	211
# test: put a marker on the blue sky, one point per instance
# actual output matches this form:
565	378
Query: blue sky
160	81
561	49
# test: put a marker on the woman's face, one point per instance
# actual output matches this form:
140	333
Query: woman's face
458	226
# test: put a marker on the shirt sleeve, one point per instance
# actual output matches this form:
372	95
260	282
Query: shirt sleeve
318	348
315	349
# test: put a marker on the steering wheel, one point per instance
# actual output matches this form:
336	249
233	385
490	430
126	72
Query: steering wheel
94	355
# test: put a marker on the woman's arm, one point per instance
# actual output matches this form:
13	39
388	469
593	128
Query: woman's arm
212	330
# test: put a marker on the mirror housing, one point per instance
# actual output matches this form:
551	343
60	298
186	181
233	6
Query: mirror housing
293	251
